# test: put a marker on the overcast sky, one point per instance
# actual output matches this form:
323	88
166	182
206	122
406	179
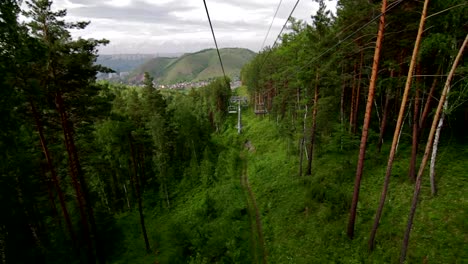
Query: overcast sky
167	26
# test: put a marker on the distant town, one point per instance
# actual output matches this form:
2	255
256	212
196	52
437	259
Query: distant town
122	77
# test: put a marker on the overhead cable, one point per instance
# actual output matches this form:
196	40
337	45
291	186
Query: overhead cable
214	38
268	32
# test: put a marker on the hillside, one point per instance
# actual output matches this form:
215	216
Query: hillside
202	65
123	62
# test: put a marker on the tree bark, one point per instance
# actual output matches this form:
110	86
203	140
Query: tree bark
302	142
74	172
353	98
398	127
50	164
427	106
314	125
137	187
417	187
365	128
342	108
434	150
358	94
383	125
416	129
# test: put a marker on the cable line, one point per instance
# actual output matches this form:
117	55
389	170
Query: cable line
286	22
268	32
390	7
277	38
214	38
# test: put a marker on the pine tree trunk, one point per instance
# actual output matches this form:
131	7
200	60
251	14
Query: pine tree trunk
358	94
342	109
365	127
74	171
427	106
314	125
353	99
50	193
50	164
126	196
417	187
302	142
383	125
398	128
137	187
416	129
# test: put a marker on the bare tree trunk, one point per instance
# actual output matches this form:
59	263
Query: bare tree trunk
383	125
430	98
314	125
50	164
358	94
126	196
434	151
342	108
302	143
417	187
137	186
353	99
74	171
50	193
398	127
365	127
416	129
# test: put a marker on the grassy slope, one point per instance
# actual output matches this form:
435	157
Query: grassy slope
155	67
304	219
197	66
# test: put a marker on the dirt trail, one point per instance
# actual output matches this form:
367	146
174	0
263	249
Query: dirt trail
252	208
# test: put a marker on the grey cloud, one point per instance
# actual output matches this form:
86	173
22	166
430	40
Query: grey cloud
137	12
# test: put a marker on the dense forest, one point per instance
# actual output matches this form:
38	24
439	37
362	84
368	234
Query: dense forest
353	146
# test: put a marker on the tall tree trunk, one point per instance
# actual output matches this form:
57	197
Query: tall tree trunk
342	108
417	187
126	196
50	164
137	187
74	172
50	193
416	129
383	125
427	106
365	127
398	127
302	142
358	94
314	125
434	150
353	98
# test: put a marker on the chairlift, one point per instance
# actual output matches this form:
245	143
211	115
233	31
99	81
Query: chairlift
232	109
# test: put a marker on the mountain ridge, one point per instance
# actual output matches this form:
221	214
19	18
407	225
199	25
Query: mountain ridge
190	67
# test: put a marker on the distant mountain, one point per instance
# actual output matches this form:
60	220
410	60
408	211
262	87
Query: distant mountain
192	67
123	62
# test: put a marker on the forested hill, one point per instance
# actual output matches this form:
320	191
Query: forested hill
353	146
123	62
192	67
